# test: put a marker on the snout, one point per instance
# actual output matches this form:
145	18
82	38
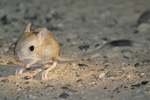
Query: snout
18	57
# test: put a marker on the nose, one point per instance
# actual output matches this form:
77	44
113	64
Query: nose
18	57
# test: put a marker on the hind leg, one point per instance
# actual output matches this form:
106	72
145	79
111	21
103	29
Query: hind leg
45	73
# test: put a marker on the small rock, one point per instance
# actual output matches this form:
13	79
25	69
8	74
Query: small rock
139	84
72	91
27	77
144	82
115	88
38	69
28	69
16	83
28	88
49	85
10	63
5	80
126	53
26	82
79	81
5	20
136	85
83	65
84	47
142	74
125	87
102	75
97	46
65	88
14	39
136	65
110	74
129	76
47	19
30	96
64	96
105	88
143	27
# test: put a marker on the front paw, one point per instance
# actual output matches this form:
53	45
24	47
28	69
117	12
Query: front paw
19	70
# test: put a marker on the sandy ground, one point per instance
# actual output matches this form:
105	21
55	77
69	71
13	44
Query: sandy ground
80	26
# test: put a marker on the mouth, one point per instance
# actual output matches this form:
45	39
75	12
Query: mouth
17	60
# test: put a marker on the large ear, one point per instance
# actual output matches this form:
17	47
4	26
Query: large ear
42	34
28	27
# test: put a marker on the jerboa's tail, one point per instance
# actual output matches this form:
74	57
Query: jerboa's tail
109	45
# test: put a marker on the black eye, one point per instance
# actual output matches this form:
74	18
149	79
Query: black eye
31	48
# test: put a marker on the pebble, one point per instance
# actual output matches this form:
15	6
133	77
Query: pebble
26	82
135	85
126	53
129	76
68	90
79	81
102	75
16	83
139	84
143	27
5	80
47	19
49	85
115	88
27	77
5	20
142	74
28	88
14	39
144	82
64	88
10	63
97	46
82	65
84	47
30	96
73	43
64	96
38	69
136	65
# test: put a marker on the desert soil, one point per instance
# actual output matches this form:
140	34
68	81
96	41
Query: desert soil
80	26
